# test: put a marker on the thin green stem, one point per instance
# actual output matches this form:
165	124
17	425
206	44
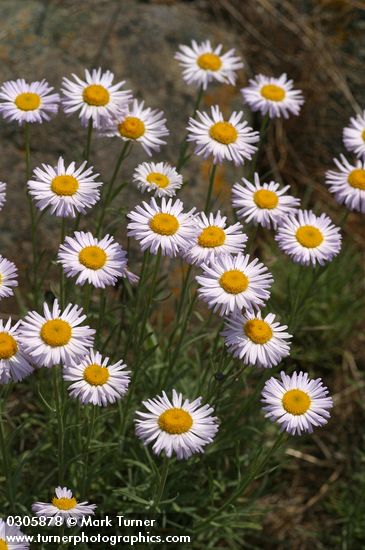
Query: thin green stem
88	140
263	129
162	483
62	275
32	216
212	173
6	458
60	423
91	423
183	157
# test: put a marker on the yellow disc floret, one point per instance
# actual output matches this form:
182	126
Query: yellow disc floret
258	331
356	179
96	95
363	135
131	127
209	62
164	224
96	375
28	101
64	186
92	257
272	92
64	503
234	281
309	236
3	545
175	421
296	402
211	237
158	179
56	332
224	132
8	346
263	198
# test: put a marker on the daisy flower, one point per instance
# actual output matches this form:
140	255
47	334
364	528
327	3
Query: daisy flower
27	103
164	227
262	203
309	239
354	135
67	191
2	194
96	97
63	504
202	64
176	427
214	238
96	382
234	282
348	184
14	363
7	536
56	337
256	341
8	277
296	402
160	177
224	140
273	96
94	261
135	123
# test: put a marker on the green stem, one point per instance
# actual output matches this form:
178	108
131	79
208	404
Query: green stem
185	144
60	423
213	170
88	139
263	129
32	215
162	483
62	276
6	459
86	481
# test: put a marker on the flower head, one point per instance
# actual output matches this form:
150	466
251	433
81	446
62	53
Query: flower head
14	363
296	402
202	64
8	537
273	96
348	183
177	426
27	103
354	135
2	194
63	504
8	277
157	177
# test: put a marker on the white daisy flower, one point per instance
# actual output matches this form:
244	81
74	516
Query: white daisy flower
164	227
2	194
96	382
176	427
8	277
224	140
203	64
214	238
354	135
14	363
159	177
233	283
296	402
63	505
67	191
27	103
309	239
7	535
256	341
96	97
262	203
94	261
55	337
273	96
135	123
348	183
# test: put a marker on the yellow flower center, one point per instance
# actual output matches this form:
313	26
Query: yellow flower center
56	332
357	179
272	92
96	375
296	402
224	132
363	135
95	94
264	198
234	281
64	503
164	224
92	257
131	127
158	179
211	237
27	101
64	186
209	62
8	346
175	421
309	236
3	545
258	331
